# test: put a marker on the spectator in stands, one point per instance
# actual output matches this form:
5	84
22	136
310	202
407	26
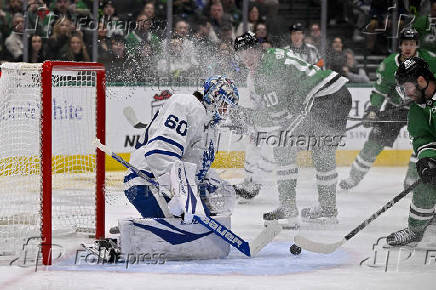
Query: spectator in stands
14	7
58	43
103	43
351	69
261	31
336	58
141	35
157	25
179	55
117	61
14	42
218	20
381	20
315	34
203	45
360	10
62	9
230	8
36	54
76	49
426	27
38	23
111	19
305	51
253	18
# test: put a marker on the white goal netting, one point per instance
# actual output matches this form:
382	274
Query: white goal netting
73	154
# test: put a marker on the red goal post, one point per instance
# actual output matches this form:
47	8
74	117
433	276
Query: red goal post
70	97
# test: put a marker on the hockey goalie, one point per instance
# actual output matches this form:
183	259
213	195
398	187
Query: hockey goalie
175	154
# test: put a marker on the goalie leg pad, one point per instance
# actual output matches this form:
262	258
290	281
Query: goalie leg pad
172	238
144	201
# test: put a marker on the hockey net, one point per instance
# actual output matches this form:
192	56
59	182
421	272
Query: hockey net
51	177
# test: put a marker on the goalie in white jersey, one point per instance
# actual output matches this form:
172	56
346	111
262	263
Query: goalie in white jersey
183	131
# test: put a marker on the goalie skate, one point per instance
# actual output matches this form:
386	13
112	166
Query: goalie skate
287	218
106	250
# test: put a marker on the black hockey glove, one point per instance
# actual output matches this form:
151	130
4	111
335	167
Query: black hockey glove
371	115
426	168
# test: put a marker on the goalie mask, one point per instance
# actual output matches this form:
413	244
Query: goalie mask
220	95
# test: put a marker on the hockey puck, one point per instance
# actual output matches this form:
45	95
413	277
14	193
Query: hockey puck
295	250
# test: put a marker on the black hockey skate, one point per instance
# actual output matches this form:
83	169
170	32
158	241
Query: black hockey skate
405	237
107	250
320	215
287	217
247	190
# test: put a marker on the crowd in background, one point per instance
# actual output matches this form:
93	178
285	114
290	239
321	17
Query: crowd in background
133	43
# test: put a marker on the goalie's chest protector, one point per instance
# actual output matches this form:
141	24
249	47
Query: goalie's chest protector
180	130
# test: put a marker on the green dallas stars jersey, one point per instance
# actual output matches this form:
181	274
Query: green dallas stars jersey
288	85
385	85
422	128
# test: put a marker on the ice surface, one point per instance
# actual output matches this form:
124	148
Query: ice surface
353	266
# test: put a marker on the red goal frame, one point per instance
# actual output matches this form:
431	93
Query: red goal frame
46	149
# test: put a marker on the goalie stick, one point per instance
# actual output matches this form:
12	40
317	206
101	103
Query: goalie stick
326	248
130	115
249	249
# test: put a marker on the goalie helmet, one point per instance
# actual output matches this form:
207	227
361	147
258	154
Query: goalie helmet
409	33
220	94
245	41
410	69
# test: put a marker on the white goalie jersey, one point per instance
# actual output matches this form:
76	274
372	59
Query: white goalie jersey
178	131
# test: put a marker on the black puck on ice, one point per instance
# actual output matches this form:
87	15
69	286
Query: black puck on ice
295	250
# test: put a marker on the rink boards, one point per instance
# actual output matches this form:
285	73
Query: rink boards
121	136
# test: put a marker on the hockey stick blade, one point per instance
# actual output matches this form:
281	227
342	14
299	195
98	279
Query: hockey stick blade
317	247
265	237
130	115
326	248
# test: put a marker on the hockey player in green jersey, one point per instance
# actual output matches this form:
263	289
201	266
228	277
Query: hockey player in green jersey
418	83
307	108
384	134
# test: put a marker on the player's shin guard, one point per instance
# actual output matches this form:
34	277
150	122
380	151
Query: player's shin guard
324	160
362	164
412	174
422	207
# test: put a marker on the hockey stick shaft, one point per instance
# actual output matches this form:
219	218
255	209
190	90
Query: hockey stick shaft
375	120
158	197
248	249
387	206
126	164
327	248
354	126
